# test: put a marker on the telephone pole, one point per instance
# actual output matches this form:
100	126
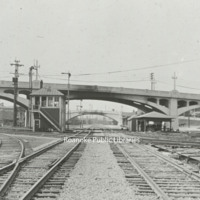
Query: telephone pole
15	82
175	78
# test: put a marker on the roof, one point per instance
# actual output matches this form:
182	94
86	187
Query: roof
152	115
127	114
47	92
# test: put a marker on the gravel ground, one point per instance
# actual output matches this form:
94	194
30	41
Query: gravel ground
97	176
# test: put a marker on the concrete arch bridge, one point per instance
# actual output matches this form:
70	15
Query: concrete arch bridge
115	116
171	103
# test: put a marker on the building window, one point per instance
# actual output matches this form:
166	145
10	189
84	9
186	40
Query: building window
50	101
44	101
56	101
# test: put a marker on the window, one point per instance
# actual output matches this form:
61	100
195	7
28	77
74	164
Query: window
56	101
37	101
50	101
44	101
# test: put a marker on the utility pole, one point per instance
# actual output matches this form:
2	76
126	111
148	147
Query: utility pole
36	66
153	82
68	88
15	82
31	78
31	88
175	78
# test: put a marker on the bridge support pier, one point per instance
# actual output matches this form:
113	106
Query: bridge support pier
63	115
173	111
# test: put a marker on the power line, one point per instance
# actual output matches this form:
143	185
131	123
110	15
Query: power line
188	80
139	68
110	81
188	87
74	80
181	86
128	70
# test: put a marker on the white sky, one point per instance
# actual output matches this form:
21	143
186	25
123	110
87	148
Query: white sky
97	36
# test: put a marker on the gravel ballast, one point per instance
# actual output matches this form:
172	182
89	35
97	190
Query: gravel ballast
97	176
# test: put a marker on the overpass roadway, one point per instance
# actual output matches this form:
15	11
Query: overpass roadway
172	103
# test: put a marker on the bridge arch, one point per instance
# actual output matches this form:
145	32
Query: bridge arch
137	102
185	109
24	92
153	100
182	103
20	101
191	103
10	91
93	113
164	102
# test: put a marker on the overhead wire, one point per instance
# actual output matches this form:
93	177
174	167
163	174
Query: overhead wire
120	81
122	71
181	86
188	87
139	68
132	69
75	80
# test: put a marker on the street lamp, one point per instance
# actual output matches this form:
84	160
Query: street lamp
68	87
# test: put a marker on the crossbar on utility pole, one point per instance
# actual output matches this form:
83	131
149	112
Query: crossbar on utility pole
15	81
68	88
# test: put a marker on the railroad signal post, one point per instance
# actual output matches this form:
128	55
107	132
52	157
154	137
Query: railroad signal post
153	82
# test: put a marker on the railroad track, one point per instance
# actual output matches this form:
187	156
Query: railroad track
11	150
153	175
169	142
186	154
31	169
50	185
167	139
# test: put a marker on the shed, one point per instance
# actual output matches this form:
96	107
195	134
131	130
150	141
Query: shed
142	122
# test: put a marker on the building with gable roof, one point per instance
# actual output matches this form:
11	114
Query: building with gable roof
48	110
152	121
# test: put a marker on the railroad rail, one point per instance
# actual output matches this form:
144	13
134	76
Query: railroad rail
30	169
179	143
50	185
11	150
178	139
153	174
190	155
